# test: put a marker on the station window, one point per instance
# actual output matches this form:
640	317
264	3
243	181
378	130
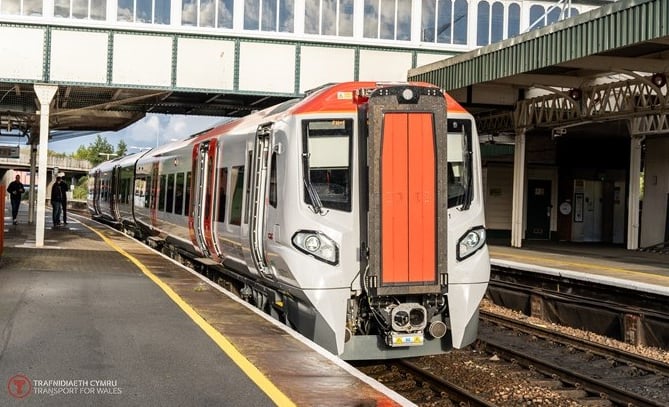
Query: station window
444	21
540	17
329	17
207	13
490	23
269	15
236	179
81	9
144	11
387	19
513	26
22	7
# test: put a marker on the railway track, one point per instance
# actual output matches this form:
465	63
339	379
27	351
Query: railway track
599	371
420	385
564	366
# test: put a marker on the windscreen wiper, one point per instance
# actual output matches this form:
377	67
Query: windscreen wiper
313	195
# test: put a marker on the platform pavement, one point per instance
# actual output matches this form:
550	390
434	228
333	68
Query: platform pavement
84	322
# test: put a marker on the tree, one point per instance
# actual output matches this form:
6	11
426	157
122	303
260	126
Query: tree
98	151
80	191
121	149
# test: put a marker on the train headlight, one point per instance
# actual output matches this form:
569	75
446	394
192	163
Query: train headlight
470	242
318	245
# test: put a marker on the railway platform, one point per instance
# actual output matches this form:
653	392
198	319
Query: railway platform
602	263
95	318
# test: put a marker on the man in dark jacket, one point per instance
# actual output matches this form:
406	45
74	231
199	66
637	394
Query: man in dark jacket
15	191
64	188
56	201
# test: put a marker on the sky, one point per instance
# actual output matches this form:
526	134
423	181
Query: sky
152	130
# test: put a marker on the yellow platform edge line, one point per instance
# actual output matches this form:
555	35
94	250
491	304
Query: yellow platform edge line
270	389
566	263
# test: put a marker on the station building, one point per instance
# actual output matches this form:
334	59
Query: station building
227	58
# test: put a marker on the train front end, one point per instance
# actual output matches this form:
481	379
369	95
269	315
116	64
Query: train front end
424	263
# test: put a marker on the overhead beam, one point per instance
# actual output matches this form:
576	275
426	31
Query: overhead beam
529	80
613	64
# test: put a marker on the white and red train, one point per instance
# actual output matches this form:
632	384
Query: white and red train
354	215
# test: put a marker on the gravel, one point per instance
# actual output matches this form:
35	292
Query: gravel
506	384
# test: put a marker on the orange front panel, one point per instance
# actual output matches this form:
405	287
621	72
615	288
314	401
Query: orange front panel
394	204
422	229
408	199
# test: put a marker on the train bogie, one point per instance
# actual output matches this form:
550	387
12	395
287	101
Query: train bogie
354	215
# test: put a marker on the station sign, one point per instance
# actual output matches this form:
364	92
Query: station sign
9	152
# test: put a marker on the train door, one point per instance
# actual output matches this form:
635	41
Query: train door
538	209
407	159
203	197
115	192
96	192
257	202
154	190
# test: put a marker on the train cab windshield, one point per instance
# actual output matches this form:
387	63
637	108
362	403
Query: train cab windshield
459	163
327	163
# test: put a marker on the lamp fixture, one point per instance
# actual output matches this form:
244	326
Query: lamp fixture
659	79
575	93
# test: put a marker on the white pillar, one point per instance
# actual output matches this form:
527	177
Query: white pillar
31	194
45	94
518	189
634	194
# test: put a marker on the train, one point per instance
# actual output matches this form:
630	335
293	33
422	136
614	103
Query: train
354	214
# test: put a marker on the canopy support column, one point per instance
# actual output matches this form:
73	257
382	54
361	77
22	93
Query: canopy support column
634	193
518	209
45	94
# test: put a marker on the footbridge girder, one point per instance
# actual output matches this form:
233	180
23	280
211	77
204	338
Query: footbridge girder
638	99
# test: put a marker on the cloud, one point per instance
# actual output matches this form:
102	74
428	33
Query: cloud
151	130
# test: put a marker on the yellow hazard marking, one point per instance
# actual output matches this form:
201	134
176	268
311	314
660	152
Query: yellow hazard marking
545	261
244	364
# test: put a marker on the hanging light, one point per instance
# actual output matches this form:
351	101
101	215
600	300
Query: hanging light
659	79
575	93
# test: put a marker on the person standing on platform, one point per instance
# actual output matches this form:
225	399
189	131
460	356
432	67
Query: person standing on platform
15	190
64	187
56	201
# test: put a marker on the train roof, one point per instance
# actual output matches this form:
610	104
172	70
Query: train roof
118	161
332	98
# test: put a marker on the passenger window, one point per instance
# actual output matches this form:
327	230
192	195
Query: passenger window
169	204
179	194
272	182
236	179
222	197
141	197
249	160
161	194
187	202
148	193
